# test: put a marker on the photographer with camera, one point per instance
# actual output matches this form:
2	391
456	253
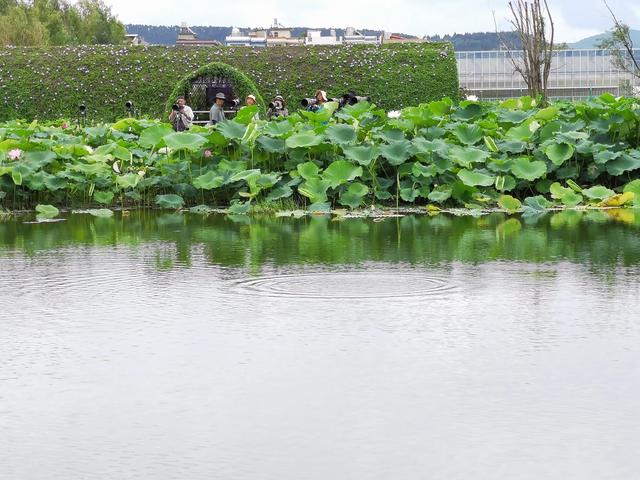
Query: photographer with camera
216	114
277	108
181	116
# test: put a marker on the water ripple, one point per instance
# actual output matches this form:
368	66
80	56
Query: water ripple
344	285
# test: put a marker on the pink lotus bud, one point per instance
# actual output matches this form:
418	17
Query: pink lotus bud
207	154
14	154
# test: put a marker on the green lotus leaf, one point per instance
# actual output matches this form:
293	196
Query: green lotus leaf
440	194
230	129
441	107
409	194
277	128
308	170
54	183
154	136
396	152
304	140
467	156
319	207
468	134
505	183
469	112
547	114
390	135
574	186
280	192
571	199
535	205
420	145
16	176
185	141
341	134
341	172
513	116
315	189
272	145
524	168
92	169
244	175
209	181
605	156
239	208
104	198
420	170
35	181
129	180
559	153
625	163
521	133
47	211
509	203
633	187
170	200
557	191
598	192
246	114
40	159
514	146
473	178
354	195
361	154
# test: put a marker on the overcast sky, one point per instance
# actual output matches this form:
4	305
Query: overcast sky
575	19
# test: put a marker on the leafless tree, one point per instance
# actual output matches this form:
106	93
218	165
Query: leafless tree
533	23
621	46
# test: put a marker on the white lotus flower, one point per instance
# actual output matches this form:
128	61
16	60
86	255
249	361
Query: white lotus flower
164	150
141	173
115	167
88	149
472	98
394	114
533	126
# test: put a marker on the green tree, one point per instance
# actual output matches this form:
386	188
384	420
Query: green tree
621	45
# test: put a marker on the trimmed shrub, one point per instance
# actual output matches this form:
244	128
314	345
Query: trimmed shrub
50	83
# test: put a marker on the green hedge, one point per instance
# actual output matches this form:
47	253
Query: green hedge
49	83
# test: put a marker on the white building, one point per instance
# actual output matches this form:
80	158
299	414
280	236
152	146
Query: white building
315	37
238	39
355	37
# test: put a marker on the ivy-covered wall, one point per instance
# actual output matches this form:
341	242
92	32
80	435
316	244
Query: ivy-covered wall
50	83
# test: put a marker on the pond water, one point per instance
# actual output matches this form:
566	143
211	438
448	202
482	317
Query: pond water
167	346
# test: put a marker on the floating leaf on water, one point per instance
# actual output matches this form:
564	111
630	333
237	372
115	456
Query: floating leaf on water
171	200
47	211
509	203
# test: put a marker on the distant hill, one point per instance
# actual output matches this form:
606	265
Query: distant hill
593	42
464	42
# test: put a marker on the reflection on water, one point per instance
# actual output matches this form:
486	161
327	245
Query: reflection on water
175	346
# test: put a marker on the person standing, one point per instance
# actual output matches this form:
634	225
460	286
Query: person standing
277	108
181	116
216	114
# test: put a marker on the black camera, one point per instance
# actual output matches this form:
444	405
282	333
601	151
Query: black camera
308	102
82	108
128	105
235	103
175	107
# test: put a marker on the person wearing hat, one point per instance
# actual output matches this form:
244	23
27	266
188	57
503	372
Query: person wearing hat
321	99
216	114
250	100
277	108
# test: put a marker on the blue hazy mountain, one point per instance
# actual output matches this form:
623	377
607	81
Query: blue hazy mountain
594	41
